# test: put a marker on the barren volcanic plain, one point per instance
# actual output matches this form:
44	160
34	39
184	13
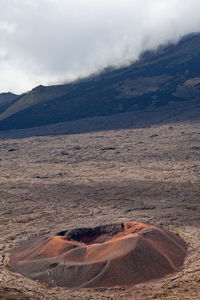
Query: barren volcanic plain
51	181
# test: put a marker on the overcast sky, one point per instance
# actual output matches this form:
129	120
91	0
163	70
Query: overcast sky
51	41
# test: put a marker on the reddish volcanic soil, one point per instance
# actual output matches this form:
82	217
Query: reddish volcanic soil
122	254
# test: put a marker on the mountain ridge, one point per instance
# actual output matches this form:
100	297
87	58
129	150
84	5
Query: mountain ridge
6	99
170	73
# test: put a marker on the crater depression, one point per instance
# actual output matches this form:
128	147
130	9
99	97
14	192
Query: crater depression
122	254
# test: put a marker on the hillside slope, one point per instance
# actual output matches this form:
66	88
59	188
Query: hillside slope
6	100
169	74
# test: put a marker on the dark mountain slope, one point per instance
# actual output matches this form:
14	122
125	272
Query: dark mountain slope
171	73
6	100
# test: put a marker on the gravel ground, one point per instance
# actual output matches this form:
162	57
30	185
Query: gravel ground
57	182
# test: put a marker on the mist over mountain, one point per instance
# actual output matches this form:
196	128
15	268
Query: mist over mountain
170	74
56	41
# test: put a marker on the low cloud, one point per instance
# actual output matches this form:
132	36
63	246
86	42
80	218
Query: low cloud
51	41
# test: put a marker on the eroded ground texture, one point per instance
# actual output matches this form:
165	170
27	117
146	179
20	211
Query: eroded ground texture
58	182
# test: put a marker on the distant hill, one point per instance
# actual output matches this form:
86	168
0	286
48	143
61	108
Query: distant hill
6	100
169	74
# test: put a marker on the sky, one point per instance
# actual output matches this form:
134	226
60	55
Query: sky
56	41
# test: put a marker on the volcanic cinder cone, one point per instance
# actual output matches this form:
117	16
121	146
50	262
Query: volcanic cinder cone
106	256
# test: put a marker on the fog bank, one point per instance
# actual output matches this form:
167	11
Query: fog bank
51	41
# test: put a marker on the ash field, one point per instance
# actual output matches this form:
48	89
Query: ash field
53	178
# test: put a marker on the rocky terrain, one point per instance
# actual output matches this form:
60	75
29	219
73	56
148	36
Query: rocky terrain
144	172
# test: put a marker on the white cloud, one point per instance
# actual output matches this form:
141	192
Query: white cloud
7	27
46	41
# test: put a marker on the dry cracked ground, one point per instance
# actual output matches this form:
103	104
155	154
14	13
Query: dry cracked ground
57	182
